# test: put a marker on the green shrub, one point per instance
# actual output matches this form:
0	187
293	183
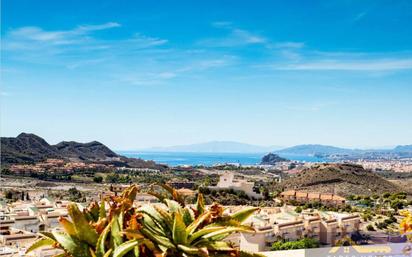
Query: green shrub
299	244
370	227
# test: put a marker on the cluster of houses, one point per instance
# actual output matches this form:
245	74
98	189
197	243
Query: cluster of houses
57	166
21	220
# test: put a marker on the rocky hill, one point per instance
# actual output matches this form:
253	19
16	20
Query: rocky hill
26	148
29	148
272	159
87	151
342	179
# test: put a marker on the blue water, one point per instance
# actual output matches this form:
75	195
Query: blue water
209	159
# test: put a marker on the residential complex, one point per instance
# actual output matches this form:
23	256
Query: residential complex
281	223
312	197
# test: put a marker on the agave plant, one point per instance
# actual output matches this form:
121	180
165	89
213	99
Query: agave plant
171	228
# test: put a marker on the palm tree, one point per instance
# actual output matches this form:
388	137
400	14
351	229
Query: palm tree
171	228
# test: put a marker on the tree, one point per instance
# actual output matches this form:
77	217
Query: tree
98	179
8	194
75	195
397	204
370	227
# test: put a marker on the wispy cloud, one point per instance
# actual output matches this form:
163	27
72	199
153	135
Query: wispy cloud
162	73
350	65
235	37
146	79
360	16
21	37
293	45
4	93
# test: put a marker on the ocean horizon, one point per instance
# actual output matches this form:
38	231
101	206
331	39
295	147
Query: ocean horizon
209	159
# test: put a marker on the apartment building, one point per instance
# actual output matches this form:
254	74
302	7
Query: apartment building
327	229
311	197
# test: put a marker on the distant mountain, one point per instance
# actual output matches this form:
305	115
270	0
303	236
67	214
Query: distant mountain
215	147
29	148
314	150
272	159
403	149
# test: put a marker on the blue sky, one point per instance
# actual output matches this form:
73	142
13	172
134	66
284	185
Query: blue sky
135	74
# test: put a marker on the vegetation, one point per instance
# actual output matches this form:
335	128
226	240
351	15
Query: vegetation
370	227
299	244
233	197
98	179
170	229
75	195
116	178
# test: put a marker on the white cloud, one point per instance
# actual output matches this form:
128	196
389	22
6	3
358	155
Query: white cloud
147	79
360	16
31	34
235	37
293	45
349	65
145	41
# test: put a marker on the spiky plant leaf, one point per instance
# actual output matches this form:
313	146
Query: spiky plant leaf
158	239
166	216
200	204
115	232
243	214
40	243
135	234
93	209
229	230
193	251
175	195
102	210
68	226
83	229
247	254
136	251
100	246
204	231
196	223
154	227
154	214
124	248
173	205
108	253
72	245
179	229
218	246
188	216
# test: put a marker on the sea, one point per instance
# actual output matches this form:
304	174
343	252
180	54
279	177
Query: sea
209	159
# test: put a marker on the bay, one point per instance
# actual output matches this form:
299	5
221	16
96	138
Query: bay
209	159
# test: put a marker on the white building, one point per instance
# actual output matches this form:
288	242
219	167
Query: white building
228	181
